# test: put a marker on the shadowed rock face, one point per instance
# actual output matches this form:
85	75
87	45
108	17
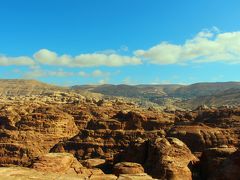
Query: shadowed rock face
101	143
213	158
229	168
167	144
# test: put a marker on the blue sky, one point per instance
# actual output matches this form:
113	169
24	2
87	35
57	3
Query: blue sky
70	42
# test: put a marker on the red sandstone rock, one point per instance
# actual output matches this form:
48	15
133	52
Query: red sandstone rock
90	163
30	127
197	137
127	168
57	163
164	158
140	176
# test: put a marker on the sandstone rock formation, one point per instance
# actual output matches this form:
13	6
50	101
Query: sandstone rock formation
57	163
21	173
199	137
54	166
99	133
164	158
140	176
31	130
90	163
127	168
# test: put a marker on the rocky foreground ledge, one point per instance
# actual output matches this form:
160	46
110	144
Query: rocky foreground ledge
65	166
67	136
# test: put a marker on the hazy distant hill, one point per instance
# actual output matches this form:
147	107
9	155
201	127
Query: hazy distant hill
16	87
187	96
170	90
131	90
204	89
227	97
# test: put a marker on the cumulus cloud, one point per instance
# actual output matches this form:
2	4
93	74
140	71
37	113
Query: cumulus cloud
206	46
21	61
47	57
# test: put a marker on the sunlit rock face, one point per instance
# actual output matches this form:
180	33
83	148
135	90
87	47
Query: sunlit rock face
31	130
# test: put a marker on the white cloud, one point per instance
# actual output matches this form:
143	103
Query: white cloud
19	61
106	60
103	81
45	56
206	46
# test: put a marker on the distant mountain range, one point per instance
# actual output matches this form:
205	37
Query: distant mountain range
171	90
186	96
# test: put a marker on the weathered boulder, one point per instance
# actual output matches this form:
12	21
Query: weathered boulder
169	158
103	177
90	163
63	163
57	163
127	168
140	176
164	158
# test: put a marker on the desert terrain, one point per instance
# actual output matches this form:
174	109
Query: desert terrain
83	132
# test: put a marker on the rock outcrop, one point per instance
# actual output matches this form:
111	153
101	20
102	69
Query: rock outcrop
31	130
199	137
164	158
127	168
